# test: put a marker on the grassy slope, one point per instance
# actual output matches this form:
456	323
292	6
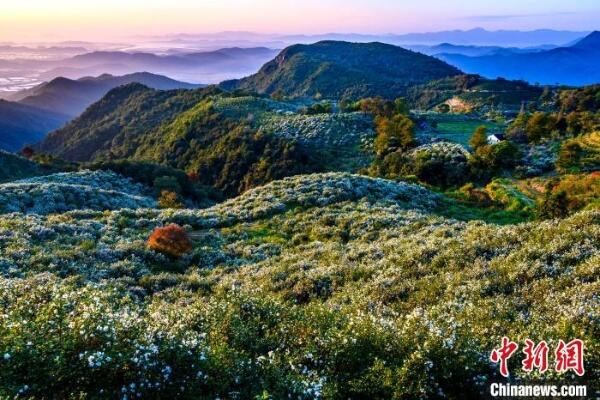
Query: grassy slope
456	128
474	91
57	193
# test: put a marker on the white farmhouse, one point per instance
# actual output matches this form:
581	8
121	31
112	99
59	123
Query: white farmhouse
495	138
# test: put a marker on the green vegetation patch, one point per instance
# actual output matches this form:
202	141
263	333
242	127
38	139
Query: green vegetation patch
454	128
505	191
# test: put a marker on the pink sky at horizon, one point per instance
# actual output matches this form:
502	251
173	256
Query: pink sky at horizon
112	20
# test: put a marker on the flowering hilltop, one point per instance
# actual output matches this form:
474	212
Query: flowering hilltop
98	190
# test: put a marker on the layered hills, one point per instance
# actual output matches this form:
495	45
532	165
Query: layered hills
571	65
206	67
235	139
194	130
72	97
31	114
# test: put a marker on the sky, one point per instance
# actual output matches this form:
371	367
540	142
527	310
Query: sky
111	20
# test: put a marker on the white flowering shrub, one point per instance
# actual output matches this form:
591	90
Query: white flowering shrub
440	163
321	129
96	190
538	158
443	151
327	286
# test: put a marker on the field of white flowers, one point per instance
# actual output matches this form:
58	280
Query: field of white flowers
97	190
328	286
322	129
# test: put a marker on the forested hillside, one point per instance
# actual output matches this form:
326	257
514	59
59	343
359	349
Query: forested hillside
332	70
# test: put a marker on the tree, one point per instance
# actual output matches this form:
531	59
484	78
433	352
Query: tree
546	95
517	129
437	170
166	183
505	155
319	108
277	95
489	159
27	152
171	240
193	176
400	106
553	205
443	108
581	122
540	125
348	105
479	137
569	155
377	106
169	200
396	133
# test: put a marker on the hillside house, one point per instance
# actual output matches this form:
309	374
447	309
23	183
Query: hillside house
496	138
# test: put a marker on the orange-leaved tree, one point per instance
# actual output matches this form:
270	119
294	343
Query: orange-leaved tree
171	240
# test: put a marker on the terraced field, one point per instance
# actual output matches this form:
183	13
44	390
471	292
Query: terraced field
581	153
590	145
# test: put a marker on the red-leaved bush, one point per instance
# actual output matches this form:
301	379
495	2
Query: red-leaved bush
193	176
171	240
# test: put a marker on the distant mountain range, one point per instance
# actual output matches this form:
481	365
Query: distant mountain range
203	67
476	36
185	60
40	52
475	51
213	58
72	97
577	64
334	69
